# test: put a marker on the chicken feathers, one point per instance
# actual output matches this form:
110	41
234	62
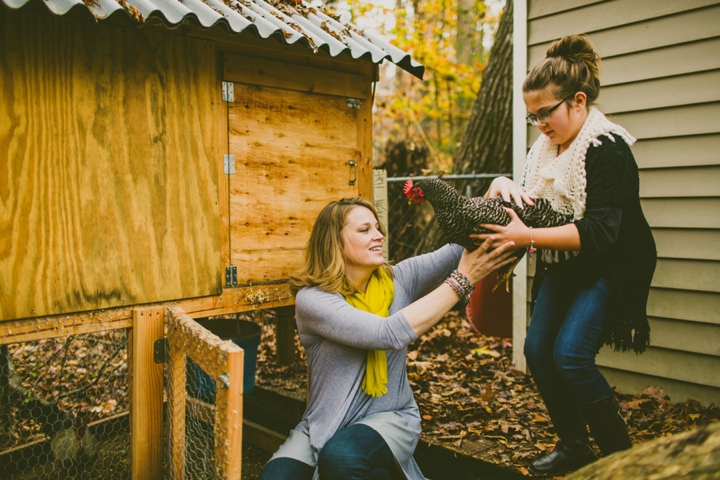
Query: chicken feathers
459	216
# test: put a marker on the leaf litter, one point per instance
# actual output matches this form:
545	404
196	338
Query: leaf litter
473	401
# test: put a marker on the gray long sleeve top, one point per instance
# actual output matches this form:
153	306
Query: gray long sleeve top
336	337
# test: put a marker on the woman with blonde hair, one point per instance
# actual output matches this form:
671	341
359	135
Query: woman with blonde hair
593	275
356	315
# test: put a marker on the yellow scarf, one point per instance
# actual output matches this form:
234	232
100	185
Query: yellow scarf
377	299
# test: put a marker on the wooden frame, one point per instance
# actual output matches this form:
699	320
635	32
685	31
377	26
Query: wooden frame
222	361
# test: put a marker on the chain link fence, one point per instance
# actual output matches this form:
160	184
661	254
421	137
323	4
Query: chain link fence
412	229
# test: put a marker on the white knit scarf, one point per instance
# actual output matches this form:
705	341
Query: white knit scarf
561	178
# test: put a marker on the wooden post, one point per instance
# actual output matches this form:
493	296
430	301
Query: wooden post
229	417
285	335
146	407
177	396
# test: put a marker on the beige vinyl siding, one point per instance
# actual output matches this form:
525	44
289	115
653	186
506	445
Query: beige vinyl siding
665	151
648	35
661	80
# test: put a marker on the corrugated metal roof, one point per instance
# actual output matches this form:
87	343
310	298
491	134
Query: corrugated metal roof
292	22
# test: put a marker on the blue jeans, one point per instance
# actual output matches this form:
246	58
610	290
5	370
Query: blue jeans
355	453
562	341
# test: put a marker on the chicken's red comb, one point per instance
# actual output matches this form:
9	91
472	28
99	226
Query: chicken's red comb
407	187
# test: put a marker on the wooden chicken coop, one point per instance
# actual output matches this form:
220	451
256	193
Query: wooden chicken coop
161	163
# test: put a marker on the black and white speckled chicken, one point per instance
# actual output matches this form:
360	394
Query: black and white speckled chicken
459	216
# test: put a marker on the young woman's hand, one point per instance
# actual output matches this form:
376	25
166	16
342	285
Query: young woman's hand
480	263
515	231
507	189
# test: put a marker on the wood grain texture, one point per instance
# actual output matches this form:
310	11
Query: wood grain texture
108	177
304	78
217	358
292	151
232	300
146	404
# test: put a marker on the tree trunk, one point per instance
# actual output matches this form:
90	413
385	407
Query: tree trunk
465	31
486	145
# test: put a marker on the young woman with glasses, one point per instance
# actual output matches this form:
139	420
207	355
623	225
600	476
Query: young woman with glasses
593	275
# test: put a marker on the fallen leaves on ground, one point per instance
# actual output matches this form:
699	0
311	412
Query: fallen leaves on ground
472	399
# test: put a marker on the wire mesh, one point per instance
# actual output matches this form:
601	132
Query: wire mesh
412	229
64	407
203	378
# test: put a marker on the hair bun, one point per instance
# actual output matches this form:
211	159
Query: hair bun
573	47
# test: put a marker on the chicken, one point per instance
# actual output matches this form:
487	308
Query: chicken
74	446
459	216
71	442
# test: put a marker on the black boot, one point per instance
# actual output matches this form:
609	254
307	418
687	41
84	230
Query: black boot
566	455
607	426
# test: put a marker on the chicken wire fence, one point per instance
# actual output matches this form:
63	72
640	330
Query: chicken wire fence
68	403
204	387
411	227
64	406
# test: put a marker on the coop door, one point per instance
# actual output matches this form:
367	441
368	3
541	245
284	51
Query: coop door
295	152
204	384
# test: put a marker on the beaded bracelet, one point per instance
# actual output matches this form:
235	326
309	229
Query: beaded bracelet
461	285
455	286
531	250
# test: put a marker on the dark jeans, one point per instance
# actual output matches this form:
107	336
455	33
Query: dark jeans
355	453
562	342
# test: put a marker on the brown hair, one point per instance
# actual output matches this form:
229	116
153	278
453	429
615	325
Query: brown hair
324	266
570	65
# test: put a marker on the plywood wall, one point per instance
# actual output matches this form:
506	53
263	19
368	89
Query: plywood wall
661	80
293	136
108	169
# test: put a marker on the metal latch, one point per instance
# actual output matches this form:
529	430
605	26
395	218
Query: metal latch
354	103
228	91
159	348
229	164
353	165
230	276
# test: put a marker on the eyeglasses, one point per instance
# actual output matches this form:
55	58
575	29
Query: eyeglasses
533	119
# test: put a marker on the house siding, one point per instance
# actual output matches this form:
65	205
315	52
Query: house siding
661	80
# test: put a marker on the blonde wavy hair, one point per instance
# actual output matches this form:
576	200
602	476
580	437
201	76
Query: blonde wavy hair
324	266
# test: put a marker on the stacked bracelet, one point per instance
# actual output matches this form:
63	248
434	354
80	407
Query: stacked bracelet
531	250
461	285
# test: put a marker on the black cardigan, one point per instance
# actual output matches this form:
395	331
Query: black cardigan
616	243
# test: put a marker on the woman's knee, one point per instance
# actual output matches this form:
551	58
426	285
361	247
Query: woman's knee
337	460
283	468
572	367
537	353
358	452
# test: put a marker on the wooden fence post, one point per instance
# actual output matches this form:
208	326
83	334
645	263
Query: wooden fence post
146	397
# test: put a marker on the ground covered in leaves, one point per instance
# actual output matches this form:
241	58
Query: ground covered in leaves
473	401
